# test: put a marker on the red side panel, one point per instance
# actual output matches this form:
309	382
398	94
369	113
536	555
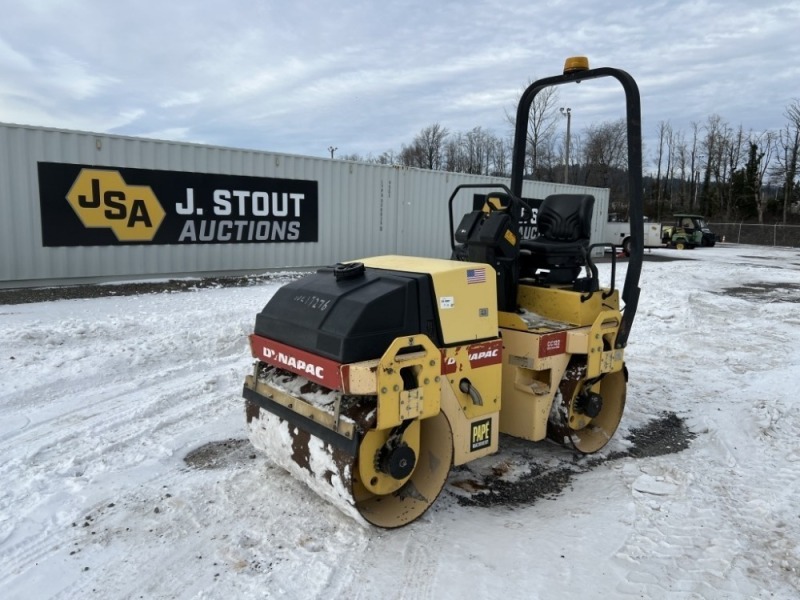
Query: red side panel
485	354
314	368
552	344
449	364
482	354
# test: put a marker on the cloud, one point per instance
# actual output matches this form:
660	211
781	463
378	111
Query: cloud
182	98
68	76
297	77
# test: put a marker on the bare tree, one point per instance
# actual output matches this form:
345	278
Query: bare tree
761	147
387	158
542	123
575	151
452	154
477	151
710	146
431	141
664	134
788	154
695	162
501	158
767	143
681	162
733	147
715	169
410	156
426	149
605	157
670	168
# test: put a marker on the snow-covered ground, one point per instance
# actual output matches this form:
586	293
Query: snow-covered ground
103	400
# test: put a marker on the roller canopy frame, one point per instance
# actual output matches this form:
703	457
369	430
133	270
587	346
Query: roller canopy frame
630	291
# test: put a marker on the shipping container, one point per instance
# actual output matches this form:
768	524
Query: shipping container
81	207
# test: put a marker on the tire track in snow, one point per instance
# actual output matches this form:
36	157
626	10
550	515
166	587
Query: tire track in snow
719	526
56	460
682	542
113	417
95	420
160	521
419	562
21	556
669	551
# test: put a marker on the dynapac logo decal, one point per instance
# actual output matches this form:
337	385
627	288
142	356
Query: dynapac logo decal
96	206
293	363
479	355
486	353
101	198
316	368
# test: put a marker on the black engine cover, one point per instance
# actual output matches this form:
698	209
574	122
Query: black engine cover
352	318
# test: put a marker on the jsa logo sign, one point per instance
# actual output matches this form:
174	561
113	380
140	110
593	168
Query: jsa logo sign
101	198
108	206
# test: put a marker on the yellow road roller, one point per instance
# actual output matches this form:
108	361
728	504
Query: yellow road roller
374	378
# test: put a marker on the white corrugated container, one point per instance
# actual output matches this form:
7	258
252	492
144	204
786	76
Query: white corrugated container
363	209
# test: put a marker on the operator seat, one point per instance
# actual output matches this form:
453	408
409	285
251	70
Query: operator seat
561	248
491	235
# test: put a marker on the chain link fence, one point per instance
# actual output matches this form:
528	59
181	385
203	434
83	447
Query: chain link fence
753	233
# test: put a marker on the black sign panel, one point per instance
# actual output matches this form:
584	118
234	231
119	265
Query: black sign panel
480	435
527	229
84	205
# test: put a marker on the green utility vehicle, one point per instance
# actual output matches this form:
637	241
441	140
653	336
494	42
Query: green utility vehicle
687	231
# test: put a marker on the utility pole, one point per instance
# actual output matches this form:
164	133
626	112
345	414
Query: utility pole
332	149
567	112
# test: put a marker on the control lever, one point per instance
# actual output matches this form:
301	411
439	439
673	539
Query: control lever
466	387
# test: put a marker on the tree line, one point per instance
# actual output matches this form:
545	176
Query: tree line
716	169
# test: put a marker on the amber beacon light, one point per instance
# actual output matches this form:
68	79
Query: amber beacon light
576	63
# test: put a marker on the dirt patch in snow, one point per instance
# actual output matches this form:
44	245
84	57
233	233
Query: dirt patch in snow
221	454
766	292
667	434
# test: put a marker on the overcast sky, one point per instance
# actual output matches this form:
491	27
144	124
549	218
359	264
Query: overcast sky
299	76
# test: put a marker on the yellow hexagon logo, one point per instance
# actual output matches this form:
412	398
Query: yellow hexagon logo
101	198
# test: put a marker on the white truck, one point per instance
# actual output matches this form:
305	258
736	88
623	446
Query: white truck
619	234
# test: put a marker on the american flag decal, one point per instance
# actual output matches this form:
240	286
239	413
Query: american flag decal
476	275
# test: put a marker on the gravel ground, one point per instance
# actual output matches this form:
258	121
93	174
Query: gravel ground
49	294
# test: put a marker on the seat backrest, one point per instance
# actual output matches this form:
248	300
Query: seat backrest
565	217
